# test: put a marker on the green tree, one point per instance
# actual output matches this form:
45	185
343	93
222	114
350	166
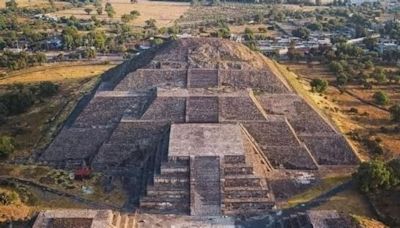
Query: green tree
301	32
100	40
126	18
71	37
11	4
381	98
372	176
150	24
47	89
88	10
379	75
370	43
99	10
135	14
336	67
248	34
395	113
89	53
224	33
157	41
394	165
319	85
315	26
6	146
342	79
110	10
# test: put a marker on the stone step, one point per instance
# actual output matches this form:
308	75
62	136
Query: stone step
165	170
162	181
178	161
166	198
234	159
165	207
153	192
258	188
131	221
238	170
172	211
242	176
116	219
176	175
258	205
124	221
242	181
167	187
248	200
246	194
248	211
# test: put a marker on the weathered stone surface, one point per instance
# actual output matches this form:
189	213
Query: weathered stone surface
185	132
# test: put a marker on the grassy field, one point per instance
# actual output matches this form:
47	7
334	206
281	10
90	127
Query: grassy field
165	13
55	73
34	128
349	201
17	210
325	185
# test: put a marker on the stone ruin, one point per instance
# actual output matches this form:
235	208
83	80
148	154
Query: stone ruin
188	135
89	218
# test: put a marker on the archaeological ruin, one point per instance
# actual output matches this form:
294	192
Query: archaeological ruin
196	127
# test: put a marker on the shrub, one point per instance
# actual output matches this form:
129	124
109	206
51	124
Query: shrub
372	176
47	89
381	98
342	79
395	112
8	198
373	145
17	101
319	85
6	146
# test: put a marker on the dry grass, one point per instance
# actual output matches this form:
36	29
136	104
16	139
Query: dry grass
239	29
165	13
302	8
325	185
54	72
336	105
34	128
43	175
365	222
14	211
350	202
28	3
35	3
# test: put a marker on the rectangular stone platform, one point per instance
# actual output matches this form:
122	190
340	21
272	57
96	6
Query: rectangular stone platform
205	140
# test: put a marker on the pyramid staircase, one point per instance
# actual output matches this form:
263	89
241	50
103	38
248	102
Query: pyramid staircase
244	192
123	220
170	193
298	220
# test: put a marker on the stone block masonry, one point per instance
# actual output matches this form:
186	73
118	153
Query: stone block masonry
195	128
